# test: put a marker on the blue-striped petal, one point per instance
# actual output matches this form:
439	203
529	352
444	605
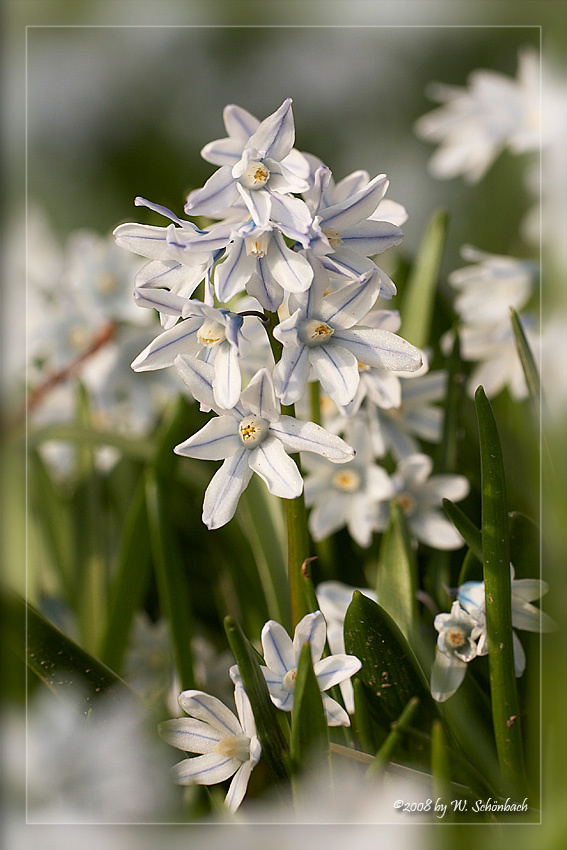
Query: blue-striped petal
337	370
259	396
298	436
227	381
335	668
218	193
349	304
216	440
232	275
280	473
162	351
275	136
356	208
291	373
224	491
312	629
383	349
291	270
278	648
204	770
190	735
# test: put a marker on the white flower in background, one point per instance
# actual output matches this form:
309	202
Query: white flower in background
228	745
320	335
420	495
107	767
456	646
487	289
493	348
525	616
334	597
211	334
355	495
395	429
259	177
476	123
252	436
281	655
99	276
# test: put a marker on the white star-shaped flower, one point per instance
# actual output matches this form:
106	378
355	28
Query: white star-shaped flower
281	655
320	335
253	436
228	745
456	646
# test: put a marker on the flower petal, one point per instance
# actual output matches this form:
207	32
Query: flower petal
205	770
270	461
259	396
519	655
278	648
225	489
238	786
190	734
301	436
290	269
275	136
159	299
357	208
371	237
216	440
447	673
336	715
211	710
227	381
162	351
232	275
349	304
376	347
529	617
337	370
199	378
312	629
218	193
259	204
245	712
336	668
434	529
328	515
291	373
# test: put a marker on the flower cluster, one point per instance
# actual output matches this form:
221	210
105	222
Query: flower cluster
286	286
228	746
462	632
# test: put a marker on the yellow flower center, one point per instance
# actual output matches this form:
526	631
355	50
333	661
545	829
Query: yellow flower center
252	430
405	501
456	637
255	176
289	679
211	333
333	236
346	480
234	747
257	246
315	332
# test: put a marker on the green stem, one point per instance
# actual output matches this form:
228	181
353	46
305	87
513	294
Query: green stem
384	754
314	388
498	606
297	553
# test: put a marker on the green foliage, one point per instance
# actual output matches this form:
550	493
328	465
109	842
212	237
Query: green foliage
309	734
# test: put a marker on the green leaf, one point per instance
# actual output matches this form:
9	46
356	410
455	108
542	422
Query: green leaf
529	367
396	577
447	449
75	677
466	528
525	541
274	745
132	577
365	724
471	569
390	671
309	731
138	448
172	582
440	765
419	294
260	516
496	567
388	748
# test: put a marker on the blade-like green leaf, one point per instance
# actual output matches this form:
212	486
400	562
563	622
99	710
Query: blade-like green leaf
386	751
131	582
75	677
390	671
466	528
471	569
259	514
274	745
172	583
496	565
529	367
366	726
309	731
440	765
396	576
525	541
419	293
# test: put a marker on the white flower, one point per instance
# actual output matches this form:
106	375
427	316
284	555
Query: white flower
478	122
320	334
355	495
498	364
334	597
346	233
209	333
456	646
487	289
281	655
524	615
420	496
252	436
228	745
259	177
